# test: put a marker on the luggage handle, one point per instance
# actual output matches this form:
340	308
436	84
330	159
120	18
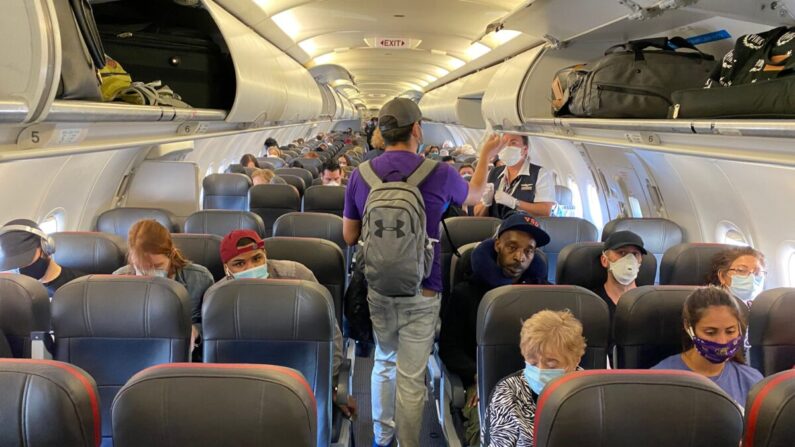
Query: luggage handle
84	16
637	46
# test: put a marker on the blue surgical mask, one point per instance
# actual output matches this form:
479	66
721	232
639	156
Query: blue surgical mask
260	272
153	272
538	378
747	287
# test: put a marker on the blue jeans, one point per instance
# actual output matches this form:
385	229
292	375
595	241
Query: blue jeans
404	330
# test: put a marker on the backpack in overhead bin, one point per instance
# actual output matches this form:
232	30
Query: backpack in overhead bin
632	80
756	79
396	249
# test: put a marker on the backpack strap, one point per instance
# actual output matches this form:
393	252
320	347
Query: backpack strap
422	172
368	175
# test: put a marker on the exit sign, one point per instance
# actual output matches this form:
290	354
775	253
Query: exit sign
393	43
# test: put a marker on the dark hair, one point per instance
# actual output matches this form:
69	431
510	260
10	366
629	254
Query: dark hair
249	158
697	304
724	259
447	158
331	165
395	135
271	142
465	165
525	140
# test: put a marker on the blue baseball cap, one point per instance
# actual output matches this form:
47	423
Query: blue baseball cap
526	223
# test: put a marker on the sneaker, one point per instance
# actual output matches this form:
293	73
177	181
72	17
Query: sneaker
391	444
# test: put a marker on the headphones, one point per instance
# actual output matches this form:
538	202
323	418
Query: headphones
47	242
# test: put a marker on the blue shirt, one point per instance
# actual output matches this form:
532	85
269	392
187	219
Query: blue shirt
736	379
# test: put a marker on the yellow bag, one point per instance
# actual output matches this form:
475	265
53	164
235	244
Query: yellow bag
114	79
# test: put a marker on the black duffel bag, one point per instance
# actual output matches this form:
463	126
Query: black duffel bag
755	80
632	80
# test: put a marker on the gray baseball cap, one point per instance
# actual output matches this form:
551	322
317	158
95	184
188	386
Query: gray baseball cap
18	248
402	111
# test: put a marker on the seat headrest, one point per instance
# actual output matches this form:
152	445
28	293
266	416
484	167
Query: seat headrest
235	168
89	252
635	406
578	264
226	184
222	222
321	198
308	224
274	196
121	306
299	172
465	230
689	264
770	410
213	405
563	196
771	332
119	220
275	162
256	309
461	268
48	403
24	308
658	234
324	258
295	181
5	348
566	230
202	249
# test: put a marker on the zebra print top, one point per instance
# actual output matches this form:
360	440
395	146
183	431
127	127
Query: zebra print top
510	414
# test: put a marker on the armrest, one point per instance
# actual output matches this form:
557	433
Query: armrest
344	382
41	345
454	388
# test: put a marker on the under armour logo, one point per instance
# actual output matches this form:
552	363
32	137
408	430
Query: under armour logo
397	228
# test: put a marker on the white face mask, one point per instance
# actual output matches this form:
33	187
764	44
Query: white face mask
333	183
747	287
625	270
511	155
153	272
444	152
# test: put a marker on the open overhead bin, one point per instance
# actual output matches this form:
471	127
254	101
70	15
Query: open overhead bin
506	90
469	103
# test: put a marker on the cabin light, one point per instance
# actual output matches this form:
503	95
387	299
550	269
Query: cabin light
308	46
476	50
456	63
341	49
262	3
288	23
504	36
324	59
423	83
441	71
439	52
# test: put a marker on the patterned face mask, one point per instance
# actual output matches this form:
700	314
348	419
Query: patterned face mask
715	352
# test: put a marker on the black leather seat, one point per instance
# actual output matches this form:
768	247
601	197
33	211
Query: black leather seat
119	220
648	325
116	326
24	308
89	252
500	318
772	332
317	225
578	264
769	412
323	258
461	267
202	249
226	192
275	162
305	175
634	408
312	165
562	232
689	264
280	322
658	234
215	405
271	201
47	403
5	348
294	181
222	222
325	199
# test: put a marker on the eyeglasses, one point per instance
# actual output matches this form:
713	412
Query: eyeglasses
742	271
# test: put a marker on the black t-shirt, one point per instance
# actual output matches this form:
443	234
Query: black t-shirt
603	295
66	275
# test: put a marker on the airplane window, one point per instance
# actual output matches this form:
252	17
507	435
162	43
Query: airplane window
53	222
634	207
576	198
595	207
791	269
209	170
221	166
729	233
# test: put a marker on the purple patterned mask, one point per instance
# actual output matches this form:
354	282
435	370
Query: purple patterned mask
716	352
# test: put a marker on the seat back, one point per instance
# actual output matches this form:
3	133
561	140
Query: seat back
316	225
323	258
501	314
635	407
564	231
578	264
276	162
312	165
119	220
5	348
215	405
769	412
689	264
461	267
114	326
48	403
563	196
24	308
325	199
771	332
89	252
305	175
222	222
295	181
271	201
463	230
658	234
202	249
226	192
647	325
279	322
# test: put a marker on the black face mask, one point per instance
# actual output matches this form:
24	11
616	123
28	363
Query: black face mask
37	269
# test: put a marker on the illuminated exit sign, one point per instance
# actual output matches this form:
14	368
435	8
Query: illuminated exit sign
392	43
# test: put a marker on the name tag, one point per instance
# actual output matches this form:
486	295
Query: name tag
526	187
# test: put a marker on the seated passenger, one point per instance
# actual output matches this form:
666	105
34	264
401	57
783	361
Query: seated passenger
508	259
269	142
448	159
249	161
26	249
715	328
311	155
741	271
343	161
377	145
265	177
466	170
622	255
552	345
274	151
332	175
151	252
243	254
431	151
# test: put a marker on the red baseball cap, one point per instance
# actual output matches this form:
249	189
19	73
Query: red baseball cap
229	248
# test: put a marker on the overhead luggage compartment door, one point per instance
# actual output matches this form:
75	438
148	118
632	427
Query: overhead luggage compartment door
501	100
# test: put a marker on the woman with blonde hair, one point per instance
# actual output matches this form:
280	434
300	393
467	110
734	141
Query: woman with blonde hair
151	252
552	345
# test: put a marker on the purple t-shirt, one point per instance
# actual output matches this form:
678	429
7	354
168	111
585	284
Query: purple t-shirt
735	379
442	187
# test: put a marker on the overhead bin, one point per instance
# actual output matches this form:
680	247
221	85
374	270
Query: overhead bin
469	104
506	90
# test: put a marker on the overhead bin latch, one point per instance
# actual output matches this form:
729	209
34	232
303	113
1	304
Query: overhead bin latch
553	42
639	12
